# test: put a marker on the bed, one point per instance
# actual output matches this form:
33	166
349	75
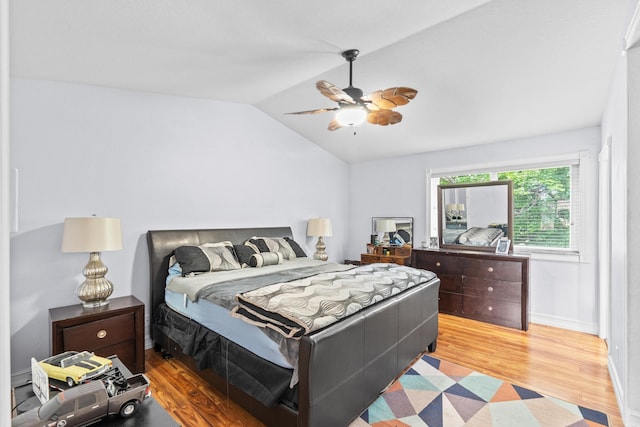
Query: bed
339	369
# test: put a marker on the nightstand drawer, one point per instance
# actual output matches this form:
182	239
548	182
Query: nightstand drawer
99	334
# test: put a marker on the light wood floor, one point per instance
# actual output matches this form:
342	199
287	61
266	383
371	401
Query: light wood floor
568	365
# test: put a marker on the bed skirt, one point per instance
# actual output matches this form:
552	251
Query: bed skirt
264	381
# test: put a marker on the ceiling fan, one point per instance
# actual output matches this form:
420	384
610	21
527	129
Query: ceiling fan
353	108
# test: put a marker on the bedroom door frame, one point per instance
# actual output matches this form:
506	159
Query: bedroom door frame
604	237
5	233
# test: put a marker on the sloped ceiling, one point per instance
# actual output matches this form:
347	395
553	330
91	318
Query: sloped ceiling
485	70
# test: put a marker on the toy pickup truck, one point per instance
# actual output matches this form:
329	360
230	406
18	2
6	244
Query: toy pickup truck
87	403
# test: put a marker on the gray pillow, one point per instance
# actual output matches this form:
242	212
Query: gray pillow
265	258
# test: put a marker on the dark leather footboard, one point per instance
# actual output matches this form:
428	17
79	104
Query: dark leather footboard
343	368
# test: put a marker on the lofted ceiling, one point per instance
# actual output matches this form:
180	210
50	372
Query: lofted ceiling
485	70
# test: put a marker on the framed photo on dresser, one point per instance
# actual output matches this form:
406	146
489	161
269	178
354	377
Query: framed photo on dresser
502	248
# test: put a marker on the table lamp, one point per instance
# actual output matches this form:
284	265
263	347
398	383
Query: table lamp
93	235
319	227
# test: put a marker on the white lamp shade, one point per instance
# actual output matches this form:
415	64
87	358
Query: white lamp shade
91	234
460	206
351	115
319	227
385	225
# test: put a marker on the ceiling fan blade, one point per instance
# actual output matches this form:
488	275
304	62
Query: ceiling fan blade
319	110
384	117
333	92
334	125
392	97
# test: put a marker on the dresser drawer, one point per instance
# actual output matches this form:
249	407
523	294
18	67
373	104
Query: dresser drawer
439	264
370	259
493	270
450	303
493	289
450	283
100	334
498	312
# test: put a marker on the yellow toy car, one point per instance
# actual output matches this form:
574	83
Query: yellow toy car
73	367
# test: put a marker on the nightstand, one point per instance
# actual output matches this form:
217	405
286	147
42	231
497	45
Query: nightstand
116	329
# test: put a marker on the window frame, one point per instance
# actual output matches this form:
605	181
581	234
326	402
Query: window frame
580	159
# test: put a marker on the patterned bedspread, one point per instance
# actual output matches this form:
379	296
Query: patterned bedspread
298	307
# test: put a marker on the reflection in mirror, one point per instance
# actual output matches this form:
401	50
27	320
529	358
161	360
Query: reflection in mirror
475	215
393	230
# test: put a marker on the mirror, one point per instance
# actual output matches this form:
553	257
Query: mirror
399	230
473	216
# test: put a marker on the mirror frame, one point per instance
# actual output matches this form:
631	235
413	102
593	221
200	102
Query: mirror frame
441	215
397	219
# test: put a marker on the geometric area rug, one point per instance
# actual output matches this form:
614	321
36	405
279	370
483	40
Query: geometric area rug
437	393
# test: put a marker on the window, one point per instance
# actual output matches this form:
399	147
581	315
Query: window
547	202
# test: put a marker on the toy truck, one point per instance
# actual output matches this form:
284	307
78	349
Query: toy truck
89	402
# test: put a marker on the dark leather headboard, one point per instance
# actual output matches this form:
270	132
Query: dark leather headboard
161	244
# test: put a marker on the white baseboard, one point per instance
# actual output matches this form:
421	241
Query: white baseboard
617	385
559	322
630	418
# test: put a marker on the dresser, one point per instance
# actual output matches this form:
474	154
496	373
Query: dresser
393	254
480	285
115	329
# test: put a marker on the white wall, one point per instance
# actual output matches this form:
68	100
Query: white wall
621	128
633	249
156	162
614	129
561	293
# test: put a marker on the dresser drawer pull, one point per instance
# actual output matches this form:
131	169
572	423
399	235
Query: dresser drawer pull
438	264
490	288
490	308
101	334
490	269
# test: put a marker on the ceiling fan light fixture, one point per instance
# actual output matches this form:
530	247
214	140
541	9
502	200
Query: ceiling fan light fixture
354	108
351	115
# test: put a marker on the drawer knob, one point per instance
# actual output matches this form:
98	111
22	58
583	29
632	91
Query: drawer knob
438	264
490	288
490	308
490	269
101	334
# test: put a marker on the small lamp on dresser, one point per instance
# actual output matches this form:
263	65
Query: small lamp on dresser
93	235
320	227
